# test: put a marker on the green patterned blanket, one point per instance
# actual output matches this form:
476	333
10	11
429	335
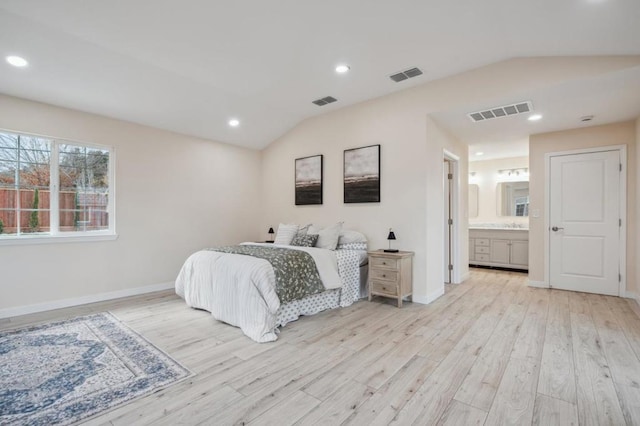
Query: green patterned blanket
295	270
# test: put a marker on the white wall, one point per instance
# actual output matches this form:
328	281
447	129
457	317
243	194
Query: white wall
223	185
587	137
174	195
438	140
406	167
412	166
487	178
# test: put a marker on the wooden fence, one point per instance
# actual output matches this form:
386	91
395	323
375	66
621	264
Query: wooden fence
89	213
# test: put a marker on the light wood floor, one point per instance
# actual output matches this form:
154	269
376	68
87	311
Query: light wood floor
490	351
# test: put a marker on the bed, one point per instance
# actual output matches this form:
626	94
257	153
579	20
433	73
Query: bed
240	289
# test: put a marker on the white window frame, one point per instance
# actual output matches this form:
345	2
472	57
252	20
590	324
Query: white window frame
54	235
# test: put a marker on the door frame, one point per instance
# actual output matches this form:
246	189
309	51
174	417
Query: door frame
622	265
454	160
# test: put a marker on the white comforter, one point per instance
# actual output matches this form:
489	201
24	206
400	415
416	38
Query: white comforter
240	290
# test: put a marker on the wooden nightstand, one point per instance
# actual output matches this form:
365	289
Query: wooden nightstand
390	274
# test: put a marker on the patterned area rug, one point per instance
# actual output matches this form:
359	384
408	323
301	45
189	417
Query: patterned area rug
63	372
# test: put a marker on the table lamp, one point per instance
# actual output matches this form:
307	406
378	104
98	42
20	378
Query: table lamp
390	237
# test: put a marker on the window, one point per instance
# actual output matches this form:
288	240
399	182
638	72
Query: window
54	188
522	206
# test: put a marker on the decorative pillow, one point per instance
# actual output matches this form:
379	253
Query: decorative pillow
285	234
348	236
328	237
308	240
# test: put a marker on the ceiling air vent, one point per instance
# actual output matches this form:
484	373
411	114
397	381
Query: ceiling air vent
406	74
325	100
501	111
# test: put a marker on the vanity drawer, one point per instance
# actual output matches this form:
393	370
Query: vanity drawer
482	242
483	257
483	249
383	274
383	262
388	289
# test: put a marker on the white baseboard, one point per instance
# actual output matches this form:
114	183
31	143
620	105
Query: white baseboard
632	295
93	298
538	284
425	300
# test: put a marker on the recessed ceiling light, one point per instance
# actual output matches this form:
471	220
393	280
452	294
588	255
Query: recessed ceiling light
234	122
479	153
341	69
534	117
17	61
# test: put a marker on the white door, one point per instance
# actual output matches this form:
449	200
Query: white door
448	220
584	215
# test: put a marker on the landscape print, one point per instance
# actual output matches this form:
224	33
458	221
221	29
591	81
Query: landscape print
309	180
362	175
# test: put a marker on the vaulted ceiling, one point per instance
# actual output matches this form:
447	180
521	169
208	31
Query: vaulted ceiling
190	66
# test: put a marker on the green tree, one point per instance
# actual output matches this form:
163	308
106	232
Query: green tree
1	226
34	222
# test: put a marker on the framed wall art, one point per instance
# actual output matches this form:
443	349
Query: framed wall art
362	175
309	180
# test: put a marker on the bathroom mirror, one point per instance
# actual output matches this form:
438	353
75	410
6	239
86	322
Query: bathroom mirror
473	200
513	198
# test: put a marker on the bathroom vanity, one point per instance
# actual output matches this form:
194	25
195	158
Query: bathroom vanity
505	247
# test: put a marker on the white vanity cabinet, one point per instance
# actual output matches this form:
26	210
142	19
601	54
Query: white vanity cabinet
505	248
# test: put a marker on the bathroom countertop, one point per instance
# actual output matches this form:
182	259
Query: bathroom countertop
498	228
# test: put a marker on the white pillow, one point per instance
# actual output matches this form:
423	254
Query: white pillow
285	234
348	236
304	230
328	237
313	229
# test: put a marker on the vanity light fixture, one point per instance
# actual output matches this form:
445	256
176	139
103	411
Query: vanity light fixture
514	172
17	61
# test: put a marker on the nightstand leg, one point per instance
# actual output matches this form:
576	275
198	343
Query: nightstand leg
400	302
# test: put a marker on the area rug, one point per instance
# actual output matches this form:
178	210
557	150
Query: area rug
63	372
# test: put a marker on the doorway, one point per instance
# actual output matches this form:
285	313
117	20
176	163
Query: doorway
586	202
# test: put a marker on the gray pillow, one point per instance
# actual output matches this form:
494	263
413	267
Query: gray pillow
328	237
308	240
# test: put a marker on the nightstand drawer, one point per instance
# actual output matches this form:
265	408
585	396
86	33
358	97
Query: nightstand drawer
383	262
482	257
483	249
384	288
383	274
482	242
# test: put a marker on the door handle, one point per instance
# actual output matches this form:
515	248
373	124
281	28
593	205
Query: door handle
556	229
